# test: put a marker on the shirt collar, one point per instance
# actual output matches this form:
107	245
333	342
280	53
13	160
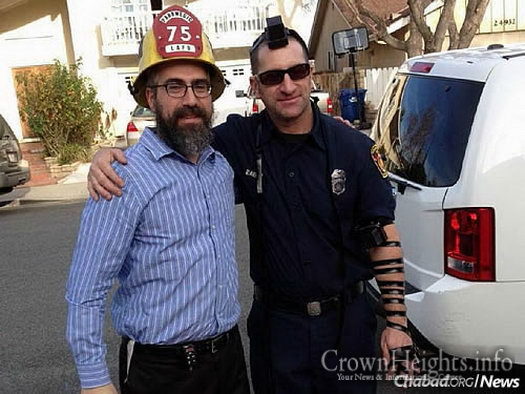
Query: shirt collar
269	129
158	148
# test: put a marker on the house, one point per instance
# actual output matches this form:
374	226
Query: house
504	22
232	27
329	19
105	35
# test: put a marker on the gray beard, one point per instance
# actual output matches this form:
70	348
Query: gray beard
189	140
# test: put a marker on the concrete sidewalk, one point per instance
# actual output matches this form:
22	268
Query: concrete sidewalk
71	188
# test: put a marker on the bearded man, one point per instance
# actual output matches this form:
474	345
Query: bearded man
169	241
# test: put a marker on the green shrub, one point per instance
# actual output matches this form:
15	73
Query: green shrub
61	108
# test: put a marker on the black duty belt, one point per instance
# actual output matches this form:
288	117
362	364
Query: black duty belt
206	346
311	308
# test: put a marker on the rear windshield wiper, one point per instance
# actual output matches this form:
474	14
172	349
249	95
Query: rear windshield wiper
402	185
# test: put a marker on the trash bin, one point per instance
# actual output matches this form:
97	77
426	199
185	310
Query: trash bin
349	104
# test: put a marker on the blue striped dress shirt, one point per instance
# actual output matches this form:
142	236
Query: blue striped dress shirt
169	240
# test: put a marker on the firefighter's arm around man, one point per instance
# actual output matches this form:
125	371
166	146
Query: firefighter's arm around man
102	179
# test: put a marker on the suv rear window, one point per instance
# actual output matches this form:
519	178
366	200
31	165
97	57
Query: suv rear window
424	125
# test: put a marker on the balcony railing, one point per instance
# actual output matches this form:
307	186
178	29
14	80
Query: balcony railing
121	34
231	27
226	27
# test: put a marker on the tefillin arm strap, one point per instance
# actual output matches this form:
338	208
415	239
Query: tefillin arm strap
392	291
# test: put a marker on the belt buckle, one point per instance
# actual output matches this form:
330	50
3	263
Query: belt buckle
213	347
313	308
213	343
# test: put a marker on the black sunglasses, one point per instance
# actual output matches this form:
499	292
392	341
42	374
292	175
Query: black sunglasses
275	77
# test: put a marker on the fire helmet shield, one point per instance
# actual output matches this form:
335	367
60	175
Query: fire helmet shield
176	35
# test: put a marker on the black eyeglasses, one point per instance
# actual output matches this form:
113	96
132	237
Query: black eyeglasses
201	89
275	77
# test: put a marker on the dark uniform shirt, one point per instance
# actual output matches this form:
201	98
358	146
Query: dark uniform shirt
294	227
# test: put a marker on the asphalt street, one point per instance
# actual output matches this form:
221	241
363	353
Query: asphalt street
37	243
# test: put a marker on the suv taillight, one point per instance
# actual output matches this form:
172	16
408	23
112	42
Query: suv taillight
10	149
131	128
255	108
329	106
422	67
469	244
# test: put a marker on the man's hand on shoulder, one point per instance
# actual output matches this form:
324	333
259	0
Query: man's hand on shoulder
102	179
344	121
107	389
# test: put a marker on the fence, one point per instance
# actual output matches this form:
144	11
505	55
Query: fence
376	81
334	82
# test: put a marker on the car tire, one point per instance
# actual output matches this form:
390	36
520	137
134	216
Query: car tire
4	203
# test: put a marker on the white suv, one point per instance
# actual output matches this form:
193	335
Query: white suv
451	127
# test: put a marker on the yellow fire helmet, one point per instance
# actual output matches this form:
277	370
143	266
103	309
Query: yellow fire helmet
176	35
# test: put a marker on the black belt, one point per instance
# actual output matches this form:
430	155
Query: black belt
206	346
311	308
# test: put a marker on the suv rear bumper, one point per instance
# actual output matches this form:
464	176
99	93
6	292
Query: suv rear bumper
15	178
471	319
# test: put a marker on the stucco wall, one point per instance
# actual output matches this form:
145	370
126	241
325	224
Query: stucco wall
333	22
31	34
498	38
107	73
39	31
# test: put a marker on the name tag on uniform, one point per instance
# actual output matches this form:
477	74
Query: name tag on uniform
251	173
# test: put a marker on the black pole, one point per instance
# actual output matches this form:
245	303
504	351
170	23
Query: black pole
359	106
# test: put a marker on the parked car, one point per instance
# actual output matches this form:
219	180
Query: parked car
253	104
321	98
140	119
451	128
13	170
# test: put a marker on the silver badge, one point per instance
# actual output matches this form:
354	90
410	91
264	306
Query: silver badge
338	182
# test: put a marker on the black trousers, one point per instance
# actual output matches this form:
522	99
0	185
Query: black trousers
156	371
299	354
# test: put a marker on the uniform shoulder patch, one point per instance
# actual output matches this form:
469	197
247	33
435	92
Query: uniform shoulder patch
378	160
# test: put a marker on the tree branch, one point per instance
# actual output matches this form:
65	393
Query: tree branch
447	14
349	13
453	35
417	14
415	40
291	15
282	11
473	17
381	29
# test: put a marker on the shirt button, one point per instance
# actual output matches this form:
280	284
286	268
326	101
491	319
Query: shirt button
291	174
213	227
